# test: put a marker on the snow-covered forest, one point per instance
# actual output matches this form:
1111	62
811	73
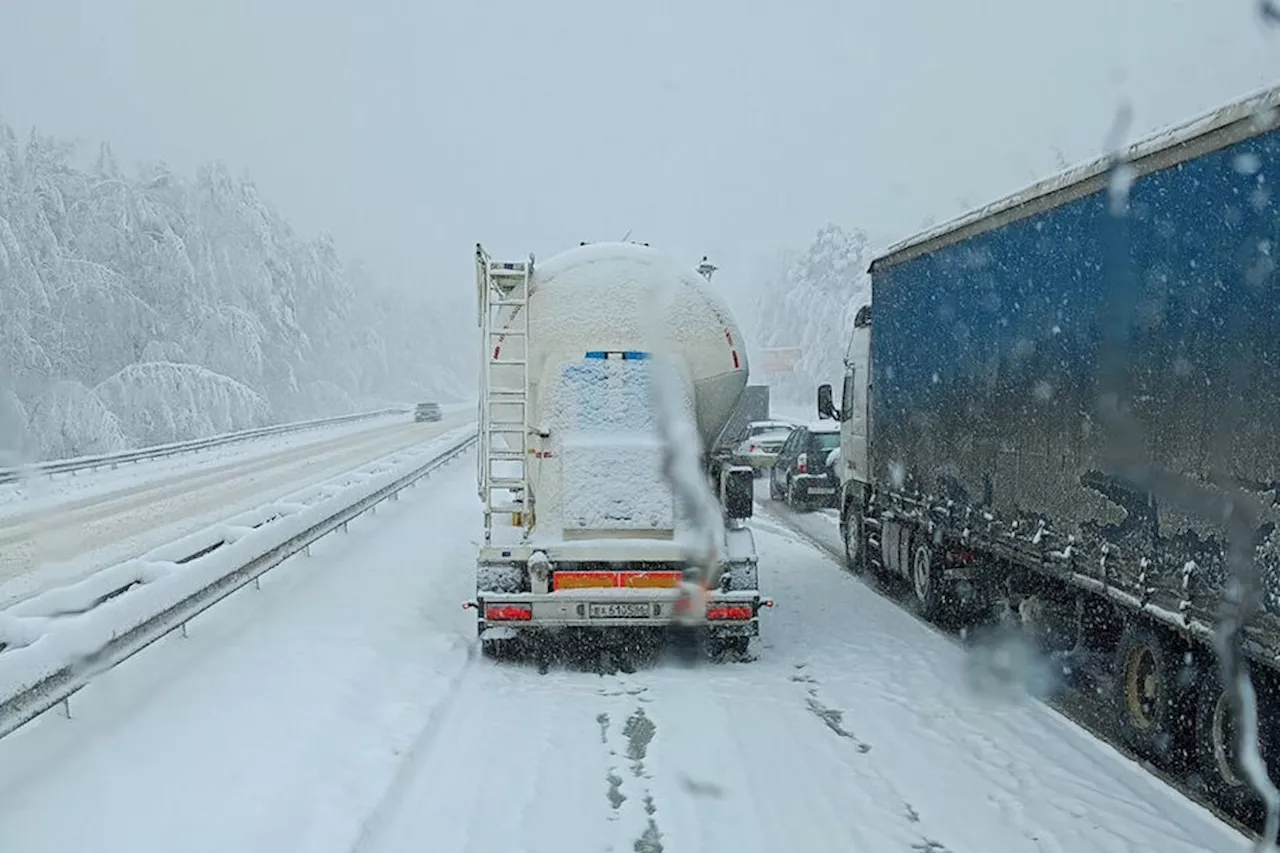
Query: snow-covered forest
808	300
150	307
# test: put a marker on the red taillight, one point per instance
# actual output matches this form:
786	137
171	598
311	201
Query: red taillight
508	613
751	448
720	612
802	463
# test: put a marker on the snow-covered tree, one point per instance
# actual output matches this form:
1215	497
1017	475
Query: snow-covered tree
13	429
810	303
160	402
70	420
104	275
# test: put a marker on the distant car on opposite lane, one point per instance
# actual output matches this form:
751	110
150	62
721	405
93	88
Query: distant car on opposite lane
427	412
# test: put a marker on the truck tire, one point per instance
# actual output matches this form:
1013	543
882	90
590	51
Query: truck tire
926	580
855	538
719	648
1153	694
1216	764
496	650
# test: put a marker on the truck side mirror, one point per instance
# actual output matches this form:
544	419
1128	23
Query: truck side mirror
826	409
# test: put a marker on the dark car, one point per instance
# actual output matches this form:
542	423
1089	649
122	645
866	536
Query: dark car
427	412
800	475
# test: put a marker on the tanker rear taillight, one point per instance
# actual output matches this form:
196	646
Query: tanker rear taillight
729	612
508	613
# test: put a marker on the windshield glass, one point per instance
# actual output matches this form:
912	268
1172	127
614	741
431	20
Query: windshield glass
826	440
469	335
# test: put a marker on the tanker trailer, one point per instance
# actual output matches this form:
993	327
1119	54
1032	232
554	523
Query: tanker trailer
582	529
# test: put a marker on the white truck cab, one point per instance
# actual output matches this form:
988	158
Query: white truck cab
853	412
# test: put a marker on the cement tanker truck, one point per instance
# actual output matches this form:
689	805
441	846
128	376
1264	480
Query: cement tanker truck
582	528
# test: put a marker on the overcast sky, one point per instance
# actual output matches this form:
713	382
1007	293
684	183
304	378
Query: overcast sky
410	129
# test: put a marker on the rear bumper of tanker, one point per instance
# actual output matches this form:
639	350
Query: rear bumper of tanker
728	614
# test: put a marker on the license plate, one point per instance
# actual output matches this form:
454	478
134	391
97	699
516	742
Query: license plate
618	611
822	491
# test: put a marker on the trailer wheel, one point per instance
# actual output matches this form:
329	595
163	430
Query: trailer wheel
855	539
1152	694
722	648
926	581
1215	751
498	650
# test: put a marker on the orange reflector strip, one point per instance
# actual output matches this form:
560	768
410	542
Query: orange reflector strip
610	580
651	580
584	580
720	612
508	613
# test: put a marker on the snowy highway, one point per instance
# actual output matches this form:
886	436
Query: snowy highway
45	541
343	707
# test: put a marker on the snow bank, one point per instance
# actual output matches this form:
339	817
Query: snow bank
59	628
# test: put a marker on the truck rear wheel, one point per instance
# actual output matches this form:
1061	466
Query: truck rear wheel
1152	694
926	581
855	540
495	649
1216	752
723	647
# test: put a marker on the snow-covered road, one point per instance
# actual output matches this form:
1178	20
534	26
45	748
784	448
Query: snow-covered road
343	708
66	541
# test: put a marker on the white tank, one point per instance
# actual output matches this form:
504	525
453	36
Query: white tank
616	298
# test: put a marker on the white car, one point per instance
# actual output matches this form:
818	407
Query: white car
759	442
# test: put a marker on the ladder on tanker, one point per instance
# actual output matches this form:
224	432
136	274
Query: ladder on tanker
504	395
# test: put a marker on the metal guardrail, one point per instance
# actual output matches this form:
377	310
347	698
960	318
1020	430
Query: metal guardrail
158	451
57	688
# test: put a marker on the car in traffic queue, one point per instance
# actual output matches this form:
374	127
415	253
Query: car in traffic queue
758	443
803	474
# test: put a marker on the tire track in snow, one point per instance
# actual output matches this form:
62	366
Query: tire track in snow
738	765
515	757
393	797
833	719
